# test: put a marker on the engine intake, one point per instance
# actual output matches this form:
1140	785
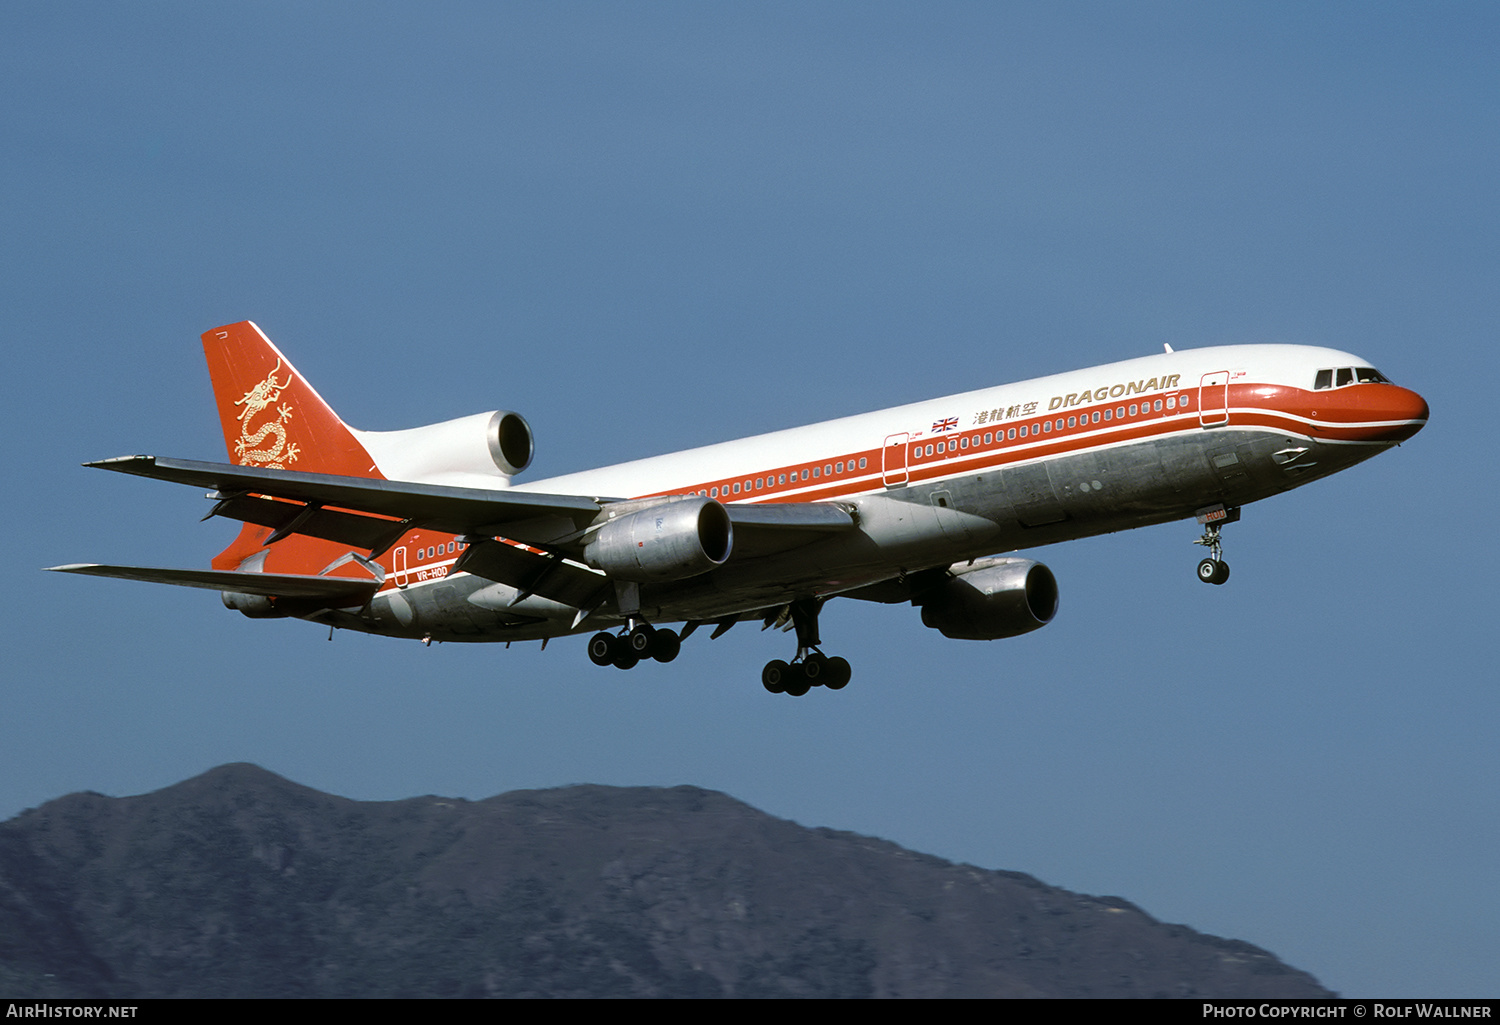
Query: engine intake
674	540
994	598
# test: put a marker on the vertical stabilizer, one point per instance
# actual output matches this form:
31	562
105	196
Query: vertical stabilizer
271	416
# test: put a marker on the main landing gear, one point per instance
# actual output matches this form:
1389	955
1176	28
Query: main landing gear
810	668
1214	570
641	641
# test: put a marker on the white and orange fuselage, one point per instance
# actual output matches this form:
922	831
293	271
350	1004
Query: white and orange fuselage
923	486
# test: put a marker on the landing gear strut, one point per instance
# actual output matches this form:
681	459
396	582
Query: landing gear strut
810	668
1214	570
641	641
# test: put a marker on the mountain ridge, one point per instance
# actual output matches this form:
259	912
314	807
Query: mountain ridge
240	882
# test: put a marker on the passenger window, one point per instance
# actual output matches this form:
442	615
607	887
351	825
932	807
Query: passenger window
1011	434
1072	421
987	437
862	462
1096	416
1047	427
1132	409
736	487
1157	406
1108	414
781	479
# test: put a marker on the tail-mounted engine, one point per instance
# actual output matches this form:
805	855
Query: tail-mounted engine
673	539
994	598
470	450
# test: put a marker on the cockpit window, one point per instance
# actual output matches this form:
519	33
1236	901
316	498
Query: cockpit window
1347	376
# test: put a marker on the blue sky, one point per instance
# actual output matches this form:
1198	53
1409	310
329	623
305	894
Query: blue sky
653	226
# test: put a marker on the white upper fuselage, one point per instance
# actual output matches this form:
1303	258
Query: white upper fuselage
749	458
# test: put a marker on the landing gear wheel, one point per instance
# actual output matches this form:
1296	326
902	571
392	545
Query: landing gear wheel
1212	571
639	640
814	666
625	660
774	676
797	683
836	673
603	648
665	645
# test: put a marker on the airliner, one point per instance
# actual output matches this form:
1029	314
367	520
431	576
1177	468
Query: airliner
424	533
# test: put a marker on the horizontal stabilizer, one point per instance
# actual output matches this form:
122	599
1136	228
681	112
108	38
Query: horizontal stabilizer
338	591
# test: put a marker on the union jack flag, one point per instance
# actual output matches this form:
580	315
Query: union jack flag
945	425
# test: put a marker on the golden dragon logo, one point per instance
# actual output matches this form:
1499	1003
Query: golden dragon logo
278	453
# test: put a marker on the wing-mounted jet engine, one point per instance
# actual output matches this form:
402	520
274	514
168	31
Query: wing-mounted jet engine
670	539
991	599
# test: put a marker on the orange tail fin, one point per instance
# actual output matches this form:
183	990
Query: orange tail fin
271	416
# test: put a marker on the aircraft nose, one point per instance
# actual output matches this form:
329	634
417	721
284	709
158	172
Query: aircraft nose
1401	409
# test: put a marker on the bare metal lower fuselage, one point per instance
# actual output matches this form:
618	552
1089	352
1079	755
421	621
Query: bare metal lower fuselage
912	527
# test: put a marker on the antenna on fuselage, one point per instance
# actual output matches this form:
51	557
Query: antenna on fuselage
1164	345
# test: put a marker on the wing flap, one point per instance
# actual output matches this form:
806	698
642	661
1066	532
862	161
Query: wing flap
346	528
340	591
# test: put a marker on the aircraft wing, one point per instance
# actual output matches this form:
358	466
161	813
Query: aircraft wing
542	520
374	513
342	590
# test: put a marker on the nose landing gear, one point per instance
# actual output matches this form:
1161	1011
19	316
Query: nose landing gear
1214	570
